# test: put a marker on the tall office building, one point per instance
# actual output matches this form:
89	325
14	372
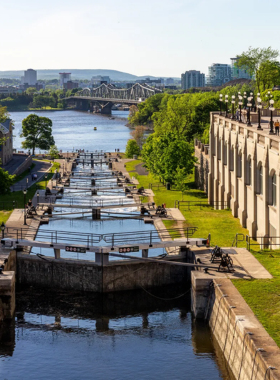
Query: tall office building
29	77
218	74
192	78
64	78
237	73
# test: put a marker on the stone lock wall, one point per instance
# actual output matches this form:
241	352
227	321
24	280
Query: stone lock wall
202	166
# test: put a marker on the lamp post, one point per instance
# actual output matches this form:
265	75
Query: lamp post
24	202
46	176
259	106
271	108
221	101
249	104
27	183
240	106
232	107
38	198
226	101
3	229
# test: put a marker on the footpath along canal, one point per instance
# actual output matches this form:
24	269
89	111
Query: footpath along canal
144	334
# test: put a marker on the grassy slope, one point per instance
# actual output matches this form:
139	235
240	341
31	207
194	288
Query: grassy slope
263	296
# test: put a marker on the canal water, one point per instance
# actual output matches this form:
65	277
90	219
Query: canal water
145	334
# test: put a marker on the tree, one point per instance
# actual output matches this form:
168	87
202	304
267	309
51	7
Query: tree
164	154
31	90
253	60
37	132
6	181
132	111
138	134
131	149
54	152
269	75
180	180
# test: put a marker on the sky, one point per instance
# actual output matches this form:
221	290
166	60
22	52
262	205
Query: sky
148	37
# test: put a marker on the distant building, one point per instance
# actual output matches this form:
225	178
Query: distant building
6	150
159	83
97	80
8	90
192	78
237	73
169	81
70	85
218	74
64	78
29	77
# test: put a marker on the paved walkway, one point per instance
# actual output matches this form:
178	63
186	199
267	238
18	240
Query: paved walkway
40	168
15	162
141	170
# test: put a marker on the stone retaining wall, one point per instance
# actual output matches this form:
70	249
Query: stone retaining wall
247	347
24	166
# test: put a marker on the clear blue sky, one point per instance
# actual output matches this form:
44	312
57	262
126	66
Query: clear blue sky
155	37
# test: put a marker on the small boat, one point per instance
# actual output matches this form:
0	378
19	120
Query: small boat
112	118
95	128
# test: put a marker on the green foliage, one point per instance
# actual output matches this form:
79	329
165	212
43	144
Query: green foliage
181	180
54	152
31	90
6	181
258	61
165	154
132	148
146	110
37	132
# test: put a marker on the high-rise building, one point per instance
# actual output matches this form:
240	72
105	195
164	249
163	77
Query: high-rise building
237	73
169	81
97	80
29	77
218	74
64	78
192	78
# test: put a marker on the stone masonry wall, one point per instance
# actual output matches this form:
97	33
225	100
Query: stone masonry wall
202	166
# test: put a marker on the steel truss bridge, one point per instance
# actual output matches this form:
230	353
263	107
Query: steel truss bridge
105	96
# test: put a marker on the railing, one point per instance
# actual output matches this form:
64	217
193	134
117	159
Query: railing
86	202
8	205
200	204
238	239
156	186
88	239
263	242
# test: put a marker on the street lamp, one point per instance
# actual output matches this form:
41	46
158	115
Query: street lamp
46	176
232	107
226	101
259	106
24	202
271	108
3	229
249	104
221	101
240	106
26	182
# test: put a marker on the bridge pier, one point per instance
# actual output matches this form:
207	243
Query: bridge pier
107	109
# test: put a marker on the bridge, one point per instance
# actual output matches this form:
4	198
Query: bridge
105	96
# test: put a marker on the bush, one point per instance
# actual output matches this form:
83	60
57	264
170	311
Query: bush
132	149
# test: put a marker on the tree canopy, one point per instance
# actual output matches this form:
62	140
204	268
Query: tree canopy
132	148
37	132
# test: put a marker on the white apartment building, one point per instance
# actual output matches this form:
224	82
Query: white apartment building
29	77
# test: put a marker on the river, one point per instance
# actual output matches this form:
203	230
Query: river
140	335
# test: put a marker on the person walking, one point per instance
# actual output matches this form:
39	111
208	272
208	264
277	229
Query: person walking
276	125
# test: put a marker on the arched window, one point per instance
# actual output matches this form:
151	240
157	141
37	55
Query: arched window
249	171
239	165
260	179
273	189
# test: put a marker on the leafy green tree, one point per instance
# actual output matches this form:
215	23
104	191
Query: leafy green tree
146	110
6	181
31	90
54	152
165	154
37	132
180	180
269	74
131	148
253	60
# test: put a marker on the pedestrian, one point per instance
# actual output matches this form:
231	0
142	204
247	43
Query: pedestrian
276	125
237	115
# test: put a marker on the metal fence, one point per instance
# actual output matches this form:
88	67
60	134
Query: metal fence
200	204
156	186
8	205
261	242
91	203
89	239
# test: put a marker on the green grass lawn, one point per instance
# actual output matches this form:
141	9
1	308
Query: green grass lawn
263	296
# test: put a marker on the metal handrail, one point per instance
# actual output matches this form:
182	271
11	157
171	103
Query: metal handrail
87	202
200	204
236	240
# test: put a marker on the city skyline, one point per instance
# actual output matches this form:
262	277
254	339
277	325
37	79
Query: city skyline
167	40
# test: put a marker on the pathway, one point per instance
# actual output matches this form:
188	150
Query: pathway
40	168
